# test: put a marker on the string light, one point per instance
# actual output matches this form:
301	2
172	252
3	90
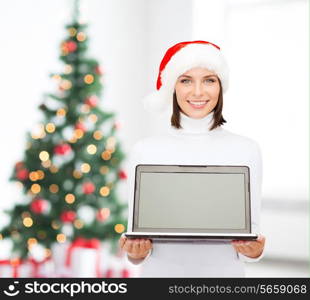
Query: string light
104	191
48	253
61	238
55	225
91	149
119	228
88	79
77	174
53	169
85	168
93	118
72	31
78	224
56	77
81	36
50	127
61	112
73	140
31	242
97	135
68	69
78	133
39	132
46	164
33	176
66	84
104	170
28	222
41	174
54	188
106	155
35	188
44	156
70	198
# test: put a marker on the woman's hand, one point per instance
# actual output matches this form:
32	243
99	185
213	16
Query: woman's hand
252	249
135	248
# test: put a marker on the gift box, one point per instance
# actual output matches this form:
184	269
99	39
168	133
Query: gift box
18	268
83	258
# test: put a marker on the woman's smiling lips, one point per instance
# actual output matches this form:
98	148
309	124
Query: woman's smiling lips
198	104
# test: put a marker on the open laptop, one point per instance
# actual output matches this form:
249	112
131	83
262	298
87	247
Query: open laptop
191	202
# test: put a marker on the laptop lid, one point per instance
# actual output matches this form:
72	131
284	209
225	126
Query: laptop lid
191	201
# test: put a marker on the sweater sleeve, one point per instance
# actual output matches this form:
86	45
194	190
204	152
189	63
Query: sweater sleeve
256	171
134	159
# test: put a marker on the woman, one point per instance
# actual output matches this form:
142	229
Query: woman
192	79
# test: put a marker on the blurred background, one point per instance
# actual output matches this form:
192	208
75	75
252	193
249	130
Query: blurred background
266	43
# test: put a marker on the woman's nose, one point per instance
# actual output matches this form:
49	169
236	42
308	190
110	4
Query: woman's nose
198	90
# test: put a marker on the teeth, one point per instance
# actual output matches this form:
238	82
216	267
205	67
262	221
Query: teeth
197	103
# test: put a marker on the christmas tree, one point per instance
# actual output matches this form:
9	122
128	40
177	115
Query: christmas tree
72	162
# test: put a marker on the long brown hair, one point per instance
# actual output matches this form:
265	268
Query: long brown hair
218	118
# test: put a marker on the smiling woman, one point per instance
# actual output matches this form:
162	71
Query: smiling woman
192	78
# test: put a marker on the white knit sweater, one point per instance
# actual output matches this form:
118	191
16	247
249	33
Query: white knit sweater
196	144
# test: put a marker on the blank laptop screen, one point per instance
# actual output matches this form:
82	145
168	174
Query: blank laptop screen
198	202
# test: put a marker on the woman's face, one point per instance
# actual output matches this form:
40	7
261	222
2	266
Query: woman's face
197	92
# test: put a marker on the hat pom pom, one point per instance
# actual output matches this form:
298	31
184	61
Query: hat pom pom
155	102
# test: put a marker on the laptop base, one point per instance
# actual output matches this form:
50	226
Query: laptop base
190	237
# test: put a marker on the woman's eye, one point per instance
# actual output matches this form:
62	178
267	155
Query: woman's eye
210	80
185	80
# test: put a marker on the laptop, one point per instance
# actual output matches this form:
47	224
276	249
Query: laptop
186	202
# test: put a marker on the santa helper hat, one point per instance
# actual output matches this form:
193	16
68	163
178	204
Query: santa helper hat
177	60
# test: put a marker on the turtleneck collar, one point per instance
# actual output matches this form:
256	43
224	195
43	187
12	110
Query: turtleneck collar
194	126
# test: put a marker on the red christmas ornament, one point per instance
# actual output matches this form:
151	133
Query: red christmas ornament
39	206
98	70
122	174
70	46
92	101
125	273
62	149
80	126
22	174
68	216
88	188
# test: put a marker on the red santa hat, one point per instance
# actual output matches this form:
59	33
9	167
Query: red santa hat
177	60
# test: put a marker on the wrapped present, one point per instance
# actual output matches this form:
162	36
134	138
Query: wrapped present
83	258
59	254
18	268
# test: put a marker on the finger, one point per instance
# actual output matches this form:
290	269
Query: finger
128	245
122	241
148	244
136	246
143	246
